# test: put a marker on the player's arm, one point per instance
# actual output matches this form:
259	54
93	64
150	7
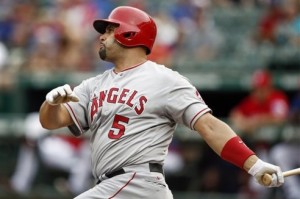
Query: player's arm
224	141
216	133
53	114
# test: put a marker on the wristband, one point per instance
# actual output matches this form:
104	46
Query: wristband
236	152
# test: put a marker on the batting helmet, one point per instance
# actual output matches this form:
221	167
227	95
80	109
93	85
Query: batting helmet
135	27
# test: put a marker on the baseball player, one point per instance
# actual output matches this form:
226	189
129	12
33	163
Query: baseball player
132	111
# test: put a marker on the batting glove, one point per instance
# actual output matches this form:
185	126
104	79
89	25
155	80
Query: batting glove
260	168
60	95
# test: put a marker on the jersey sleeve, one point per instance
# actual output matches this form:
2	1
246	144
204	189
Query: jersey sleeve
184	104
78	110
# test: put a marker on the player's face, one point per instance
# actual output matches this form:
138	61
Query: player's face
262	94
108	46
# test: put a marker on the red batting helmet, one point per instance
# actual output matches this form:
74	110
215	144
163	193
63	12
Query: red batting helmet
135	27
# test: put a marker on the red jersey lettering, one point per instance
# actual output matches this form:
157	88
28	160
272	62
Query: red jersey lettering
102	96
123	95
94	108
142	102
129	102
112	95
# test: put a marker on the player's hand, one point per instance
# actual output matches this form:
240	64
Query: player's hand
60	95
261	167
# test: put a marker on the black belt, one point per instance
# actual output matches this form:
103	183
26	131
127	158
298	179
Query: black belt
153	167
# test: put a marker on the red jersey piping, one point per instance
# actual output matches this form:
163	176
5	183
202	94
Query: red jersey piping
123	187
132	67
206	109
77	121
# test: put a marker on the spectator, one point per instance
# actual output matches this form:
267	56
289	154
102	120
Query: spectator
286	153
201	39
76	17
3	55
182	10
42	52
288	30
60	152
167	39
263	107
6	80
234	3
268	24
22	23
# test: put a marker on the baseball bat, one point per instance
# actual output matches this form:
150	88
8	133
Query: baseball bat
267	178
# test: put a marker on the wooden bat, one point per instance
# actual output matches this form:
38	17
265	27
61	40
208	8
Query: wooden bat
267	178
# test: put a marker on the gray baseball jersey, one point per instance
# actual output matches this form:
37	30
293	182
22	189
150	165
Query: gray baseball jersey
132	115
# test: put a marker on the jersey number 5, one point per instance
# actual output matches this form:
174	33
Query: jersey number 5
117	128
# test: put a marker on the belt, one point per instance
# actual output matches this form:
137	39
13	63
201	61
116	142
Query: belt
153	167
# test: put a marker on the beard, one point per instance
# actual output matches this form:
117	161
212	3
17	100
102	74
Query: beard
102	53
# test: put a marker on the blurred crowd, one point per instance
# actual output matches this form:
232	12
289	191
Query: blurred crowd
56	36
44	36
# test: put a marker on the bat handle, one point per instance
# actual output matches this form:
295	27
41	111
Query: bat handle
266	179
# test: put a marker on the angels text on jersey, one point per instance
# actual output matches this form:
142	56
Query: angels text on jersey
121	96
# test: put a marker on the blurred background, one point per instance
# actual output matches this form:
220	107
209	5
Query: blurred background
220	45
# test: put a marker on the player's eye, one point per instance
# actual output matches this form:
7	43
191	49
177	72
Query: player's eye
110	28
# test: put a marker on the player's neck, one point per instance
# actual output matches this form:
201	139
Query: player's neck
128	61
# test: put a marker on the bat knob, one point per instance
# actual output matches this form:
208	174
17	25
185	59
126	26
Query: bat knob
266	179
